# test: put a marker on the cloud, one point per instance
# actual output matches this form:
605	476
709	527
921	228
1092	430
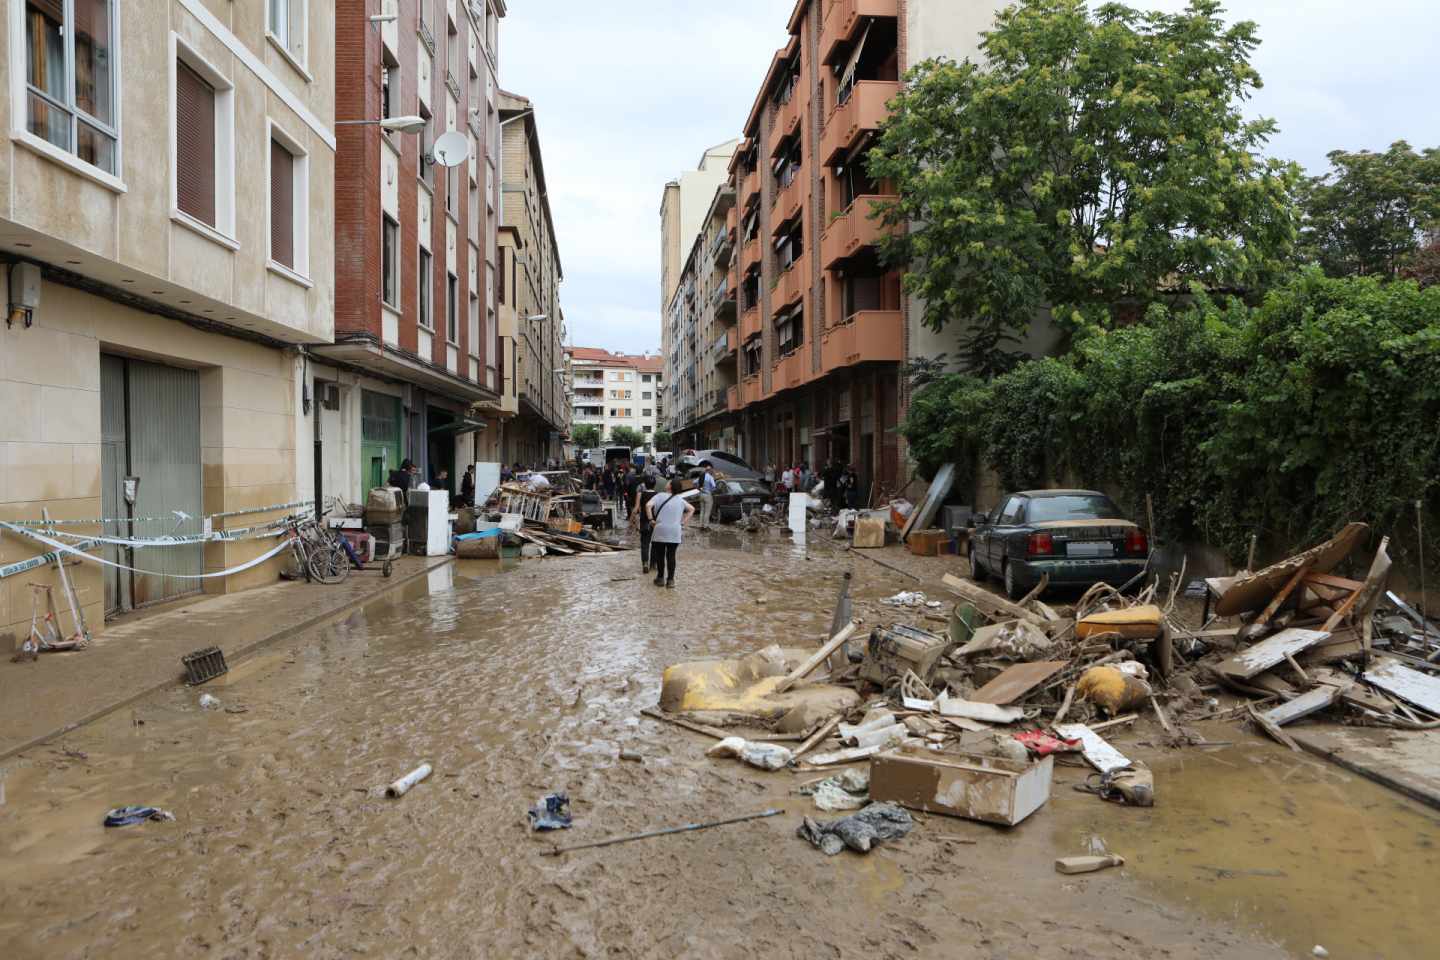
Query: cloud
629	94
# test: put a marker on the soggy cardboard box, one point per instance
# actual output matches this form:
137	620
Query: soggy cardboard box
992	789
927	543
869	533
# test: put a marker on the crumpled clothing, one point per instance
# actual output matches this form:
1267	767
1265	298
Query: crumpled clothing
844	791
1042	744
860	831
125	816
766	756
911	598
551	813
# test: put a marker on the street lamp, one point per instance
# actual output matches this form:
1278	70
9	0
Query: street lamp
538	317
401	124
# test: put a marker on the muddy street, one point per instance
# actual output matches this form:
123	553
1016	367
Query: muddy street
515	683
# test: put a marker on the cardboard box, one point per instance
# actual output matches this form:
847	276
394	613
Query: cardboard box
926	543
991	789
869	533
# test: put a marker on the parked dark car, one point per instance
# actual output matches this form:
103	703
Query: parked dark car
735	499
1078	537
726	464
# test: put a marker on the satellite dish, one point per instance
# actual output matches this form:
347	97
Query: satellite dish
451	149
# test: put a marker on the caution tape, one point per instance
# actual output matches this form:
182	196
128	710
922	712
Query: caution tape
43	560
267	531
179	516
59	549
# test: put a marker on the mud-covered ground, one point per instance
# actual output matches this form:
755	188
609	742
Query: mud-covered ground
518	683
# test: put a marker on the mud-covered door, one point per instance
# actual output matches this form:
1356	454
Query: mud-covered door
164	449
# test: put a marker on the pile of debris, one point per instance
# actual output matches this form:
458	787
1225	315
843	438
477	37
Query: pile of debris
540	520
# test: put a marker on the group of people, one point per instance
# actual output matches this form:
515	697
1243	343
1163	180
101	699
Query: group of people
407	477
840	483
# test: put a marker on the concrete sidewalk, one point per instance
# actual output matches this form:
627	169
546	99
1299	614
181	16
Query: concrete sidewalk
140	653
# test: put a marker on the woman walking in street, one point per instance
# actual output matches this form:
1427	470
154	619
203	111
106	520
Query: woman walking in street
669	512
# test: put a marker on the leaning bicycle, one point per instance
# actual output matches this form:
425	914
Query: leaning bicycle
319	555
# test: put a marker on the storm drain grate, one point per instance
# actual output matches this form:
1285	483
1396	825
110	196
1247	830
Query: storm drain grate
203	665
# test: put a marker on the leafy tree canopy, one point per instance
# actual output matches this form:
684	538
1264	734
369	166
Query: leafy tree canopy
1369	215
586	436
1097	159
627	437
661	440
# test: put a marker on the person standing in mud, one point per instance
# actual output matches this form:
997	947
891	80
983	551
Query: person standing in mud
640	518
669	512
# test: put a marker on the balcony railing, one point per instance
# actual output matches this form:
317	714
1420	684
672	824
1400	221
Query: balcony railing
788	200
722	290
792	286
871	335
749	186
852	231
787	120
750	323
732	398
751	390
791	371
843	22
721	246
751	253
863	111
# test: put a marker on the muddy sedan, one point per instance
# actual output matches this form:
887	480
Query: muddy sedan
737	499
1078	537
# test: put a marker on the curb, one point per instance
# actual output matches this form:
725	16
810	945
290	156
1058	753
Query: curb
231	657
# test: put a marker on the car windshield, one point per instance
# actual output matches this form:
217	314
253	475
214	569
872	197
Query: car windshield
747	486
1079	506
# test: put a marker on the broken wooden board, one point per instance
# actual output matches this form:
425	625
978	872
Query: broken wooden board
1342	645
1269	653
1409	685
1254	592
993	606
1302	706
1098	753
971	710
1014	682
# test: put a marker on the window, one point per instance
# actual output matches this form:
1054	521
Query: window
385	79
287	27
501	280
70	78
645	378
427	316
195	144
647	394
647	413
390	262
648	429
452	308
614	412
282	205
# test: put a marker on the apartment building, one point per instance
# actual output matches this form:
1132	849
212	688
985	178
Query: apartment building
616	390
823	328
682	211
534	403
415	364
166	255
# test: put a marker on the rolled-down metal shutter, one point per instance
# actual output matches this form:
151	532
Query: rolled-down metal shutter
114	462
164	448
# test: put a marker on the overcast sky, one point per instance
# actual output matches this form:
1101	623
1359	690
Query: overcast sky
629	94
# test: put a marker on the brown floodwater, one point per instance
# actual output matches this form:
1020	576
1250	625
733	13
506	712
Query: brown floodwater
518	681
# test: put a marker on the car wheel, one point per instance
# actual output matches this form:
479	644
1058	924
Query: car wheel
1013	590
977	569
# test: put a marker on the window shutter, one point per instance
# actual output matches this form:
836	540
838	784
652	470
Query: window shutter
282	205
195	144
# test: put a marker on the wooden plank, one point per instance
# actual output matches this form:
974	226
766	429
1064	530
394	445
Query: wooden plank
1271	729
1270	653
1409	685
1302	706
1098	753
818	657
1330	580
1271	608
993	606
1253	592
818	735
1016	681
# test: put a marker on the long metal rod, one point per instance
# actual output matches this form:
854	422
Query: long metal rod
556	851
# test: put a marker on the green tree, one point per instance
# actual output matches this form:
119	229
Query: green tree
1369	215
662	440
627	437
586	436
1098	160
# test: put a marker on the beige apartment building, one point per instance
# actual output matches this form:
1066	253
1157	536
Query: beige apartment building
534	408
166	246
616	390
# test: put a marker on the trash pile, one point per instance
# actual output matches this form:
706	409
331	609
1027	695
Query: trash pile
536	519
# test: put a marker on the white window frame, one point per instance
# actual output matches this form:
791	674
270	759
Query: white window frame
300	215
280	35
223	232
394	273
425	293
20	108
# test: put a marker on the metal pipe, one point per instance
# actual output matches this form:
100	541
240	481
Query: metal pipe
402	786
555	852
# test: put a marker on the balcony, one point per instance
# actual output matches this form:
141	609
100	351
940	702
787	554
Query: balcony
787	120
844	21
750	186
851	232
732	340
862	112
793	284
751	253
732	398
722	246
750	323
789	200
792	371
871	335
751	390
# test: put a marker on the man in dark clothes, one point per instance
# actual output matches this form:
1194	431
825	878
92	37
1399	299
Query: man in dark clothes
467	487
404	477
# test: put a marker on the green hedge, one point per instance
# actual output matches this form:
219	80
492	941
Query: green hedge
1320	406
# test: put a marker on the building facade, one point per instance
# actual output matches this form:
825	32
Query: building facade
616	390
415	364
533	325
166	254
823	330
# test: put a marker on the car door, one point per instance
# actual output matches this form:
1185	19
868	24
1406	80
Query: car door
1002	527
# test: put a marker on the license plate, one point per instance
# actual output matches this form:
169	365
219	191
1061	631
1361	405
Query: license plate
1096	548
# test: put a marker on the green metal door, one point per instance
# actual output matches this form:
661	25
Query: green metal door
379	438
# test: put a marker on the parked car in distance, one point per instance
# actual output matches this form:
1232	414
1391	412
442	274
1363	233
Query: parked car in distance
1078	537
726	464
735	499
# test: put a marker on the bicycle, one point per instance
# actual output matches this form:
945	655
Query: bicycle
319	554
